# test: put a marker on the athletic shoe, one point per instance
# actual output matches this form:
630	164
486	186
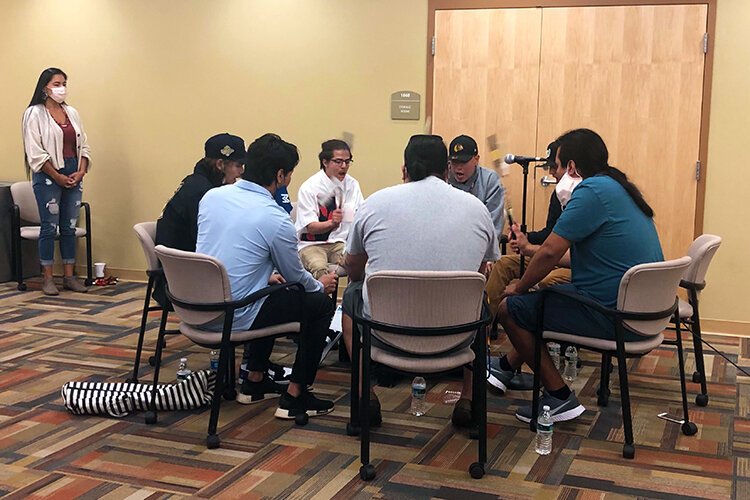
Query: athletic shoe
279	374
497	377
255	392
559	410
290	407
462	413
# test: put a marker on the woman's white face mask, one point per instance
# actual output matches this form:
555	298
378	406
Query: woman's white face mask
564	188
57	94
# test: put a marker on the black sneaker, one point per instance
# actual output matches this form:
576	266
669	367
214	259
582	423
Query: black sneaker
560	410
279	374
255	392
290	407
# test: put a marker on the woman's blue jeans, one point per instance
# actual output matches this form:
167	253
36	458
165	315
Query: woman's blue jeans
58	208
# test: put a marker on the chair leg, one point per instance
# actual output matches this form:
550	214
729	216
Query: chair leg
603	392
151	413
89	266
479	403
688	427
17	255
212	440
352	427
230	388
628	449
537	381
142	331
702	398
366	471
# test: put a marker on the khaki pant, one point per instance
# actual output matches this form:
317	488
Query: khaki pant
315	258
507	269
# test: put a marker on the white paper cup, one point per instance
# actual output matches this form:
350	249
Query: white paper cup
99	269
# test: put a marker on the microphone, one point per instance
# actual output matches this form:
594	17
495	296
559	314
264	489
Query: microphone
511	158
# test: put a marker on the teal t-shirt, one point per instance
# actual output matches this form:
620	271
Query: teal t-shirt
609	234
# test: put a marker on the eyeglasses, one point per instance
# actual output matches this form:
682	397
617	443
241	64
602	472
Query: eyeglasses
340	161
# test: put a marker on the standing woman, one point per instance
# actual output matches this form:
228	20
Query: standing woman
57	155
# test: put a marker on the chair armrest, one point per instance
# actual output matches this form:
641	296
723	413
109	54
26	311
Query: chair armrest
236	304
689	285
613	313
87	215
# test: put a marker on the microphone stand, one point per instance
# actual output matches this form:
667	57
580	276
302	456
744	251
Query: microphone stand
525	167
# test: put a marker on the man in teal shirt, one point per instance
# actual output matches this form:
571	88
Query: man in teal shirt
608	228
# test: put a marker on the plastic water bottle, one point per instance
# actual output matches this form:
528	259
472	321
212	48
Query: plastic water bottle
214	361
571	364
183	372
418	391
554	352
544	432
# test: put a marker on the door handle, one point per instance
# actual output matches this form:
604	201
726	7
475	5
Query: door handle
547	180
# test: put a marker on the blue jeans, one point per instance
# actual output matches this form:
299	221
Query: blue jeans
57	204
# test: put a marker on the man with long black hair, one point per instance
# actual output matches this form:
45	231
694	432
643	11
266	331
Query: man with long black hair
608	228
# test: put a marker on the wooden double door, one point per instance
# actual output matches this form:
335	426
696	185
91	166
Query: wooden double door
634	74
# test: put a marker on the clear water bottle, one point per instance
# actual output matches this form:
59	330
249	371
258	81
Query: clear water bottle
418	391
571	364
544	432
183	372
554	352
214	361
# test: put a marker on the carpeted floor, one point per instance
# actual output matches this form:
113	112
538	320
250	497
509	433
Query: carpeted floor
45	452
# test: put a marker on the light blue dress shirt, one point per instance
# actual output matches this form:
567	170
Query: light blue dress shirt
241	225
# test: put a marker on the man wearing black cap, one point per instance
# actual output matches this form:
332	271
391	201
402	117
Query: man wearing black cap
508	268
465	173
177	226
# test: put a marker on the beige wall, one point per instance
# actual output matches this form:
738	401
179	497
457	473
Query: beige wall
153	79
727	296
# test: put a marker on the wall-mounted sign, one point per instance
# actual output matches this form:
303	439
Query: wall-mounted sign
405	105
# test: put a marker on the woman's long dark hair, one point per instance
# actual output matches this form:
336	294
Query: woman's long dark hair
39	96
587	149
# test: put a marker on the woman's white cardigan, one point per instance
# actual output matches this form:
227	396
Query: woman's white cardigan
43	138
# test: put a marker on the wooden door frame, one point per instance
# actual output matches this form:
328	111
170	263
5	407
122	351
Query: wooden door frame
700	195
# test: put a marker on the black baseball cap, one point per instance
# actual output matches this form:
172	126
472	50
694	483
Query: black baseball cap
462	149
226	147
552	148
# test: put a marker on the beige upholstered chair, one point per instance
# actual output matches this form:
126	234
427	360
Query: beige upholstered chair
25	210
146	233
199	291
702	251
427	323
646	301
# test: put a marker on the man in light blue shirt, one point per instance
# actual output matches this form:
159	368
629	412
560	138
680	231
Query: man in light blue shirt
243	227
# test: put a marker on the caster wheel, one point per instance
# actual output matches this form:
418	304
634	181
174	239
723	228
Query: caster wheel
352	430
476	470
701	399
131	380
21	287
697	377
689	428
230	394
367	472
150	417
152	361
603	399
628	451
603	402
301	419
213	441
89	282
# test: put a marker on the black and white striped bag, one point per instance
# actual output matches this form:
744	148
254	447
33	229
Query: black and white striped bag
118	399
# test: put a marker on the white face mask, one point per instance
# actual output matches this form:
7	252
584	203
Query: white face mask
57	94
564	188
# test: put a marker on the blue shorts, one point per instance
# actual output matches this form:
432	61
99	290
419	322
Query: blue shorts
562	314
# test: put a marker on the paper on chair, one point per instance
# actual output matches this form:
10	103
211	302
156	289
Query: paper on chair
336	321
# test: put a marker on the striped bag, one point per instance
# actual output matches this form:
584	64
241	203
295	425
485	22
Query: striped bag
118	399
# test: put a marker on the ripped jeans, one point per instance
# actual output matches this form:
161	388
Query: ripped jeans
58	207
